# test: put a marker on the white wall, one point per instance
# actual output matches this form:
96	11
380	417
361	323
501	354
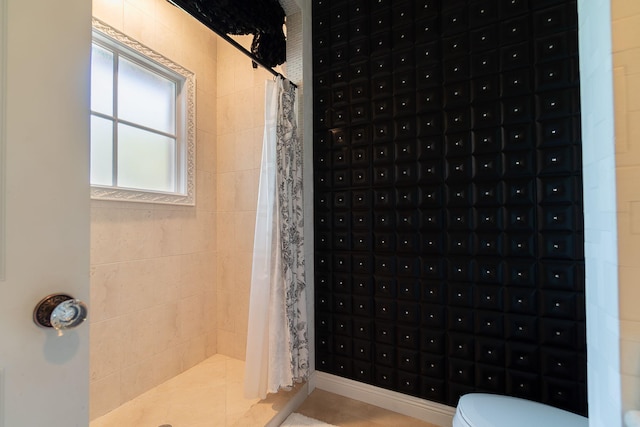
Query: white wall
600	212
610	79
44	378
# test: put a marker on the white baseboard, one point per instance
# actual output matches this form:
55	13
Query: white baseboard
432	412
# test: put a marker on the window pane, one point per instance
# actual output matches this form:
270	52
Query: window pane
101	151
145	160
101	80
146	98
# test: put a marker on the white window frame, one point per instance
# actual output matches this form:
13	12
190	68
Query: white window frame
186	126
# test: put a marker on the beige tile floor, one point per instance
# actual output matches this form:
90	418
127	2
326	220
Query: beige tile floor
344	412
210	395
207	395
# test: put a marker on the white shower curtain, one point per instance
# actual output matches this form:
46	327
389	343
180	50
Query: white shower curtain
277	344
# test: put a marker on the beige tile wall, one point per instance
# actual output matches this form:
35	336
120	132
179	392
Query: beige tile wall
240	121
154	267
625	19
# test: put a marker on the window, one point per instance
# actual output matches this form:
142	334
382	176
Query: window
142	123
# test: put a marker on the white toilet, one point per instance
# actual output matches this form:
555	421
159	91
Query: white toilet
492	410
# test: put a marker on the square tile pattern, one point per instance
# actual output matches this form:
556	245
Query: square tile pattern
448	197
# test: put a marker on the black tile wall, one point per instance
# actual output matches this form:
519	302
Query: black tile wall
449	228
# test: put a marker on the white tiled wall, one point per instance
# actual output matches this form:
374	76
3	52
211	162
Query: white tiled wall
154	267
610	83
600	213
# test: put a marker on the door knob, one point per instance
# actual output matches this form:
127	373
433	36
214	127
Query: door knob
60	311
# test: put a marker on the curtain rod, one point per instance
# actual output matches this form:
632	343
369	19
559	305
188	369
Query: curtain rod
241	48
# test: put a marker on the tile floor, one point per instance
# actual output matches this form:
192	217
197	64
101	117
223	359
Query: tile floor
210	395
344	412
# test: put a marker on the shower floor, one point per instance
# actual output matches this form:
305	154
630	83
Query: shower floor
209	394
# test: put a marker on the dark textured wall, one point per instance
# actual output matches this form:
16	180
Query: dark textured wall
449	230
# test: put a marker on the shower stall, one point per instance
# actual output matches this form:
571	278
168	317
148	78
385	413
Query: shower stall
170	284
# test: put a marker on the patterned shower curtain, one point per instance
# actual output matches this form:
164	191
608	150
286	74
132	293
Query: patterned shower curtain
277	344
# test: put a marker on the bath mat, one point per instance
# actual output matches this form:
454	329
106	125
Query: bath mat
299	420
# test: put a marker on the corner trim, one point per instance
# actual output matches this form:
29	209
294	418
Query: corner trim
432	412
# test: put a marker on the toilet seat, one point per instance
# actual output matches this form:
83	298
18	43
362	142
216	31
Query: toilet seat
492	410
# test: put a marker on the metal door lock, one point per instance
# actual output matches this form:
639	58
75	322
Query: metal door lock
60	311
